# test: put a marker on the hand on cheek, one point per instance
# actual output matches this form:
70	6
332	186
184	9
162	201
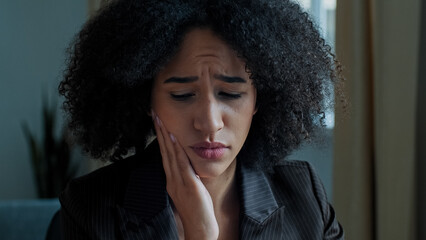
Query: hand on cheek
190	197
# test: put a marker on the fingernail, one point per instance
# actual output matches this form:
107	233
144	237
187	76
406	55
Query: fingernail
172	138
158	121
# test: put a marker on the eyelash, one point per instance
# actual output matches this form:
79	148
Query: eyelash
230	95
181	97
187	96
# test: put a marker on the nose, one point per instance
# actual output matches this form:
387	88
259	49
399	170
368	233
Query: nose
208	117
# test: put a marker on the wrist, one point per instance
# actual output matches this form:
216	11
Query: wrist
210	232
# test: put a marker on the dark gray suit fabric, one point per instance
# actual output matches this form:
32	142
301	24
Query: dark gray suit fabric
128	200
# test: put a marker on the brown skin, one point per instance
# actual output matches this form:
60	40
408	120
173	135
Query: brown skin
208	108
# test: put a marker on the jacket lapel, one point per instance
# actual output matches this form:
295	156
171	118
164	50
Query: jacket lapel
261	215
146	212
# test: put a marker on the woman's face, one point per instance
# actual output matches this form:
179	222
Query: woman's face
206	99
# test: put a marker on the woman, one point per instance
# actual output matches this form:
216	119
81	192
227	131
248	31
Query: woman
228	89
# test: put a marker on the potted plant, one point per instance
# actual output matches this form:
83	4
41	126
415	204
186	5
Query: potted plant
50	156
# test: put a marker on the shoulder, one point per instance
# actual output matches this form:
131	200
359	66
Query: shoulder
99	180
89	203
297	187
298	178
107	183
90	200
299	174
98	186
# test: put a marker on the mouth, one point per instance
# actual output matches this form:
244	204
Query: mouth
209	150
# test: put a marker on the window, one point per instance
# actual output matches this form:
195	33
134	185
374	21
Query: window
321	155
323	13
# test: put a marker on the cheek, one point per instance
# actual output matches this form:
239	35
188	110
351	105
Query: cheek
240	122
248	116
170	118
175	120
162	109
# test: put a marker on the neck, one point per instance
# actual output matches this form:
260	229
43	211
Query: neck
223	189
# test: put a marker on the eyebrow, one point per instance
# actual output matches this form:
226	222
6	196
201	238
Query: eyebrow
181	80
230	79
193	79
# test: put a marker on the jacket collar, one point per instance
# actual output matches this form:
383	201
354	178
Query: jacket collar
146	193
256	196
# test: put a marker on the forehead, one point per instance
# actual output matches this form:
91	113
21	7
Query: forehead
201	46
204	40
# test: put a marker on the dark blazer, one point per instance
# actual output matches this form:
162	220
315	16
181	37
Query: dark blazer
128	200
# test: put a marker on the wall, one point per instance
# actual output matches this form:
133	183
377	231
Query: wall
33	38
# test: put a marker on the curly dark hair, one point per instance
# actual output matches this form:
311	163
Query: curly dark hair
117	54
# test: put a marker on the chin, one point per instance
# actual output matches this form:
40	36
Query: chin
210	169
208	173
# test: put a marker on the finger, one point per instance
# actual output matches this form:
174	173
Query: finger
160	139
177	160
183	163
168	145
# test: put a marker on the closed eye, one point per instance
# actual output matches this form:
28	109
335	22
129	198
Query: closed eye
182	97
230	95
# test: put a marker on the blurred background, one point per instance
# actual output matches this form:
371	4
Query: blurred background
371	159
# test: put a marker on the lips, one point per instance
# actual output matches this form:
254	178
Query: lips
209	150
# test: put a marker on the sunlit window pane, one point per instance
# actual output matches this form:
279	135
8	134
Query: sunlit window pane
323	13
321	155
